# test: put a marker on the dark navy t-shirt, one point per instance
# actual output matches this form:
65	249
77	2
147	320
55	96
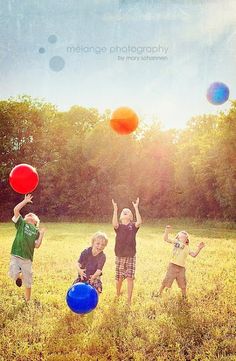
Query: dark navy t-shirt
90	262
125	245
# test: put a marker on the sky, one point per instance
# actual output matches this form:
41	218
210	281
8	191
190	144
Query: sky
156	56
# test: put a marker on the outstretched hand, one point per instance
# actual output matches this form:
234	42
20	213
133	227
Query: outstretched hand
201	245
135	204
114	205
82	273
91	280
28	198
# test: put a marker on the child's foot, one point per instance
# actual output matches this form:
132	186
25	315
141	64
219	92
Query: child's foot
184	299
19	282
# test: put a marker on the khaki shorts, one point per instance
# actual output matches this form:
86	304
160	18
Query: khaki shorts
24	266
175	272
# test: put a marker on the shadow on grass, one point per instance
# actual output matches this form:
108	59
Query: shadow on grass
75	335
180	312
190	330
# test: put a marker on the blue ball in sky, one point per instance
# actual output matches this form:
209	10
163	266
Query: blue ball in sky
217	93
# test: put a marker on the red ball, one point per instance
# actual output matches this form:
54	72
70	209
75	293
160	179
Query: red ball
124	120
23	178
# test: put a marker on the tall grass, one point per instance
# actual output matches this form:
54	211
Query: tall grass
152	329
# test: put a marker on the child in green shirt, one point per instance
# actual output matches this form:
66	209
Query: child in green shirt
28	237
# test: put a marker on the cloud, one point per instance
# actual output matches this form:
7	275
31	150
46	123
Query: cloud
213	20
192	20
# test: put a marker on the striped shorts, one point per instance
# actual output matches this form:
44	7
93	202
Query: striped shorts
125	267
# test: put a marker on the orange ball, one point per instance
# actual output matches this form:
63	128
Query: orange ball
124	120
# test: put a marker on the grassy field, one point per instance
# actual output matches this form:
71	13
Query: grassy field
202	329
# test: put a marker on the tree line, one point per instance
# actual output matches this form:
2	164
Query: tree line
83	164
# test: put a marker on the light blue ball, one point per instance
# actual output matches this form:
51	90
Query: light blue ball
217	93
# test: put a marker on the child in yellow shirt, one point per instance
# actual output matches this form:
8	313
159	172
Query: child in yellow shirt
176	268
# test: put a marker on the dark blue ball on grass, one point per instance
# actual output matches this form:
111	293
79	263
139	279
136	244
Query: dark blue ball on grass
82	298
217	93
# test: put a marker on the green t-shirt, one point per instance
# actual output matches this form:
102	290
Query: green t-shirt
24	242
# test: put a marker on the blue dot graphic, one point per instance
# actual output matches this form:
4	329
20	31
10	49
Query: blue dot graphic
57	63
42	50
52	39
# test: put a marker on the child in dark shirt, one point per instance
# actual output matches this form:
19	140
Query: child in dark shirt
91	262
125	246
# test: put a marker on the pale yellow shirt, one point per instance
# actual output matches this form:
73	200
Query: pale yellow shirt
180	253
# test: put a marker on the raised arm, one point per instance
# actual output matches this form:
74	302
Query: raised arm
38	242
166	235
199	247
19	206
137	214
115	222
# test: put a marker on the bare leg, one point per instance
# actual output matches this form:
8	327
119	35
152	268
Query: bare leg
184	294
130	289
118	286
27	294
157	294
161	289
